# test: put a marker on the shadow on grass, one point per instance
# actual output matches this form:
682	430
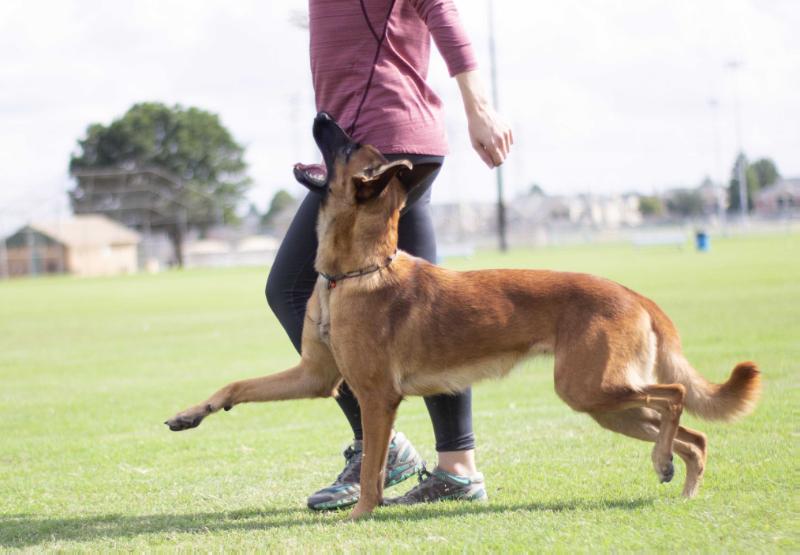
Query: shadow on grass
25	530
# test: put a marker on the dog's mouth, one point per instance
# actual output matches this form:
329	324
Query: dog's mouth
312	175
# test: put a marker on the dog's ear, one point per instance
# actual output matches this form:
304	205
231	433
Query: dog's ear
421	172
371	183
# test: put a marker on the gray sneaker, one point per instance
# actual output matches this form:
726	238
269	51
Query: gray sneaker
440	485
402	463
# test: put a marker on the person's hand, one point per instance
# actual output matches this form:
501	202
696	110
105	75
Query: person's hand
490	136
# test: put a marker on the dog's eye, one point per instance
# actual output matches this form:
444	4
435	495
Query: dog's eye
351	148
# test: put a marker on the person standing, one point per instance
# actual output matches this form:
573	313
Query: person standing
369	64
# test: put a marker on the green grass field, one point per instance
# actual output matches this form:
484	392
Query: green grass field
90	369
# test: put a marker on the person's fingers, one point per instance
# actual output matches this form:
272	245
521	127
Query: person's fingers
508	140
502	137
497	154
501	150
495	151
504	146
488	148
490	159
483	154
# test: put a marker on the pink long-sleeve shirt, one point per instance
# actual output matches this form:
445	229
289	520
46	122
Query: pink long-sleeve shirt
383	99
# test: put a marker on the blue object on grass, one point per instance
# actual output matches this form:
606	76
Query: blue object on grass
703	241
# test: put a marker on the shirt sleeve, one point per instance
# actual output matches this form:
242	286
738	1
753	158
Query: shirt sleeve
444	24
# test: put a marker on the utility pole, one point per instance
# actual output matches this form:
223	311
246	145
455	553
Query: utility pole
501	208
4	270
713	103
741	163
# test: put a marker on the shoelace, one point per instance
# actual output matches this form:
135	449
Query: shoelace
353	465
427	484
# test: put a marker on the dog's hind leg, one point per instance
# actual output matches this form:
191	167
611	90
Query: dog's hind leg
667	400
601	370
316	376
644	424
694	454
602	392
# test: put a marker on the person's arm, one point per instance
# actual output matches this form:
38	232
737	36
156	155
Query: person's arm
490	137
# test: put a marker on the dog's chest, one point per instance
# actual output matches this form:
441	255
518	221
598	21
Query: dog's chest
324	321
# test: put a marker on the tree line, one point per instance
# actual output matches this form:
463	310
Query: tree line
690	202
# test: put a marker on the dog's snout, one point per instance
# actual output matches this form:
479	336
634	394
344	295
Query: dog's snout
330	138
322	123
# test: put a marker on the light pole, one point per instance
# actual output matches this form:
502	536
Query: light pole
741	163
4	270
501	208
713	104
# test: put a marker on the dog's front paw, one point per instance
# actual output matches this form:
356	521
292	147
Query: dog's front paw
187	419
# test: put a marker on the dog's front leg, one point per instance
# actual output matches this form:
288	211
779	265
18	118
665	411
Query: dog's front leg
377	417
306	380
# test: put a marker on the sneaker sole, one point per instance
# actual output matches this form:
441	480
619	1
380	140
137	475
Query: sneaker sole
477	497
335	505
398	475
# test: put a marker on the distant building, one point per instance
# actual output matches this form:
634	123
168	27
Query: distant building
89	245
715	197
534	218
252	250
780	198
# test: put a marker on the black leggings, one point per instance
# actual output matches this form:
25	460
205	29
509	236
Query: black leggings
292	279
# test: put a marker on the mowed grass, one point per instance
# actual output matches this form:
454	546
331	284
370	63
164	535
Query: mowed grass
90	368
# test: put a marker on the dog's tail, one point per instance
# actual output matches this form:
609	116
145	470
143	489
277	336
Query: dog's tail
733	399
728	401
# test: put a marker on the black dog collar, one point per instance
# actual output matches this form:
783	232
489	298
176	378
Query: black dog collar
333	279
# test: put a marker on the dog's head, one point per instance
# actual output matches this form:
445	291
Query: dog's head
355	177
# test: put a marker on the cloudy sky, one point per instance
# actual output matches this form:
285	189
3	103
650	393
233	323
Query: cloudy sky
603	96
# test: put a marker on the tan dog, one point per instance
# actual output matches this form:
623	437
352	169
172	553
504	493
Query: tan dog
393	325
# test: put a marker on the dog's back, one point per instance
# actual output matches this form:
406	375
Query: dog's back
454	328
441	330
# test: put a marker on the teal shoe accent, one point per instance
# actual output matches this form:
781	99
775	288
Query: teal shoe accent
402	463
441	485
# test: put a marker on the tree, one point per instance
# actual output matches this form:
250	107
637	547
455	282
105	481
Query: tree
280	201
686	203
651	206
188	143
761	173
766	173
536	189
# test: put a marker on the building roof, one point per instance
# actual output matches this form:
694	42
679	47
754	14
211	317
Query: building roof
90	230
782	186
257	243
207	246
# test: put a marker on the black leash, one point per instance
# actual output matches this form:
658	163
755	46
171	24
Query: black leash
380	41
333	279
